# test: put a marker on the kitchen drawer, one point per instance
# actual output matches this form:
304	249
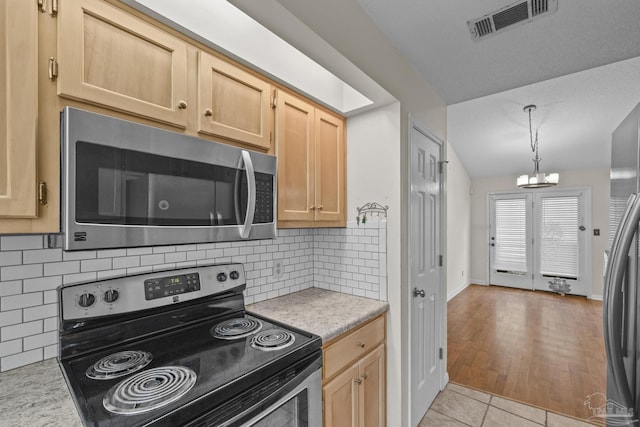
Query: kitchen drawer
352	347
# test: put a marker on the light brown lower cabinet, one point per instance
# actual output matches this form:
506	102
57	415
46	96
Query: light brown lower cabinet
354	386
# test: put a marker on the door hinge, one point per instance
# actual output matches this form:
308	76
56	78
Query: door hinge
42	193
441	353
53	69
441	165
440	259
54	8
274	99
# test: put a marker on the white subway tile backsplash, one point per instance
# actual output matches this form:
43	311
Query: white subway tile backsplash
64	267
51	351
20	272
95	265
40	312
78	255
15	302
41	256
151	259
79	278
10	258
13	287
10	347
40	340
41	284
126	262
21	359
50	297
12	317
325	258
25	329
14	243
51	324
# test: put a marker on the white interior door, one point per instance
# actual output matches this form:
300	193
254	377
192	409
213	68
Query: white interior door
425	265
538	236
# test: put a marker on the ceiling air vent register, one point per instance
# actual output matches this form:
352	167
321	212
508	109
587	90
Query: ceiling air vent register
509	16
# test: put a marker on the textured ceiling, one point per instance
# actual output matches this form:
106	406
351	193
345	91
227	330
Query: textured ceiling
433	35
558	62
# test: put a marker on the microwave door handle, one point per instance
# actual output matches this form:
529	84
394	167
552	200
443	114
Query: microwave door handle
251	196
612	304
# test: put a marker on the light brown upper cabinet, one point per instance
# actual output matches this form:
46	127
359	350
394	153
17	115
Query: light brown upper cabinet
113	59
233	103
311	165
18	108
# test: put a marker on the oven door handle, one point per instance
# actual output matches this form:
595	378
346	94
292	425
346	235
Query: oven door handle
251	196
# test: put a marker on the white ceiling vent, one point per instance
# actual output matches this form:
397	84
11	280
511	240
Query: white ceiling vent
508	16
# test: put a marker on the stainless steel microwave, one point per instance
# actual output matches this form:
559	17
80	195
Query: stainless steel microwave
125	184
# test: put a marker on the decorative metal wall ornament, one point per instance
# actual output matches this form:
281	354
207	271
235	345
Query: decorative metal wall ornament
371	209
537	179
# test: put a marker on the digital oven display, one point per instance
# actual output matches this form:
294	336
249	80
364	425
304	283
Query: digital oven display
171	285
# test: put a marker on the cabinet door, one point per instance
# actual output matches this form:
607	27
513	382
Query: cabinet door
233	103
373	389
18	107
341	395
116	60
330	157
295	132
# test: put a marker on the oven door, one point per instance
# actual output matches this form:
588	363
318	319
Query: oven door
126	185
292	398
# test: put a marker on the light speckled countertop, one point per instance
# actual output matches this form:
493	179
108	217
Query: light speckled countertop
36	395
319	311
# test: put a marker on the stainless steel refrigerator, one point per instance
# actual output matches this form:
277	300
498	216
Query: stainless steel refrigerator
621	303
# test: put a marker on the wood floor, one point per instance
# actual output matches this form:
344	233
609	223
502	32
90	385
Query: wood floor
537	347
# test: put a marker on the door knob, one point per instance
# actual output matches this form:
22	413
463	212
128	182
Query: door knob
418	292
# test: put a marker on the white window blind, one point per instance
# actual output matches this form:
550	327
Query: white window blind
511	235
559	245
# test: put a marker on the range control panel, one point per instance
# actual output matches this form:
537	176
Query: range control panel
143	291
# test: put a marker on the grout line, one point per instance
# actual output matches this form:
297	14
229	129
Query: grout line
448	416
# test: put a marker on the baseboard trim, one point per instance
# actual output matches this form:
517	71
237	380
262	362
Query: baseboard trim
457	291
596	297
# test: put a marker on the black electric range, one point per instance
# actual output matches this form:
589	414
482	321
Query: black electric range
176	348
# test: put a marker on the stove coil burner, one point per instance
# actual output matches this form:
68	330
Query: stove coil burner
272	339
236	328
149	390
119	364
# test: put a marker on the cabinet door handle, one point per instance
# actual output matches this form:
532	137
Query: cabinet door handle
360	344
365	376
320	207
208	112
312	208
358	381
42	6
182	105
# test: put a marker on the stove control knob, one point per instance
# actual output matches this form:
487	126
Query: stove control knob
110	296
222	277
86	300
234	275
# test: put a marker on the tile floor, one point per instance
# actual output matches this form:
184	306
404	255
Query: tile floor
458	406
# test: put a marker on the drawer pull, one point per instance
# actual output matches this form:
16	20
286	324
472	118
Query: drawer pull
358	381
360	344
365	376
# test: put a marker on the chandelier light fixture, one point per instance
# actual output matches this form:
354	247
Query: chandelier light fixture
537	179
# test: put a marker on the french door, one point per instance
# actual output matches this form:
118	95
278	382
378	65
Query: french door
538	236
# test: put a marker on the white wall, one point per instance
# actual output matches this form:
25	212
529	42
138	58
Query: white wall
597	179
347	28
458	225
